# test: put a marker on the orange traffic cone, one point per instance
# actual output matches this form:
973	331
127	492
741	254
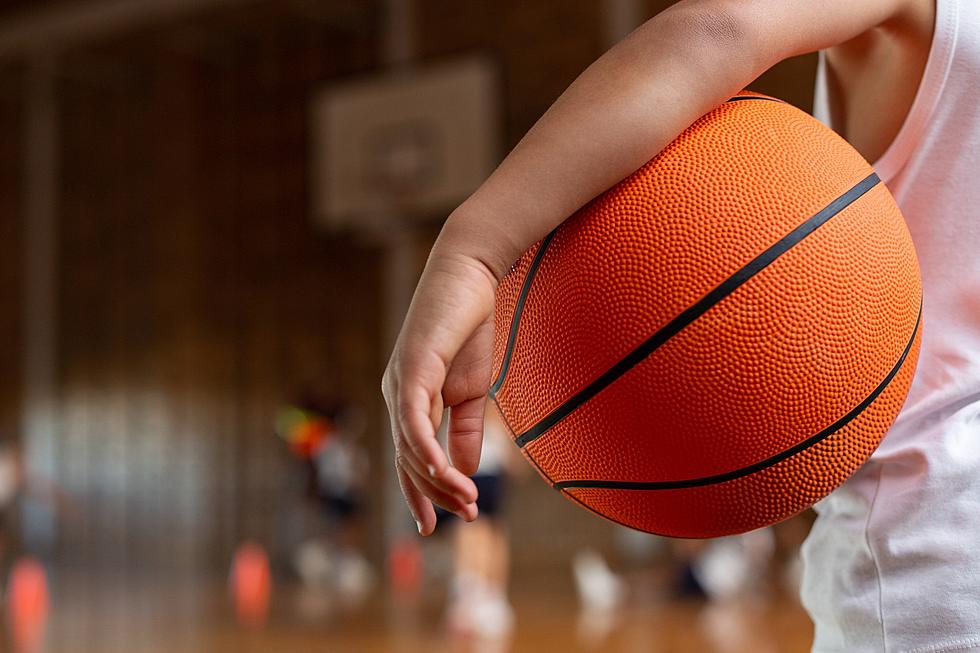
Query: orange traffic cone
251	584
405	568
27	604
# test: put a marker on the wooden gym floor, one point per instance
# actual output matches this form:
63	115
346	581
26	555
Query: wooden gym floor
191	615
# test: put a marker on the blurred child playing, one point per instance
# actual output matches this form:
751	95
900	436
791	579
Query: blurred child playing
478	604
892	562
323	434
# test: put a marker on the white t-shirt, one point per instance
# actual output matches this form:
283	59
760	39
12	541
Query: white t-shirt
893	561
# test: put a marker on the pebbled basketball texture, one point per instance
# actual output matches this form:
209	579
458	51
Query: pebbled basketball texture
721	339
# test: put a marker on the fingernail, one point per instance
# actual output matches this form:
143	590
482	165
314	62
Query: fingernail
418	525
432	470
463	514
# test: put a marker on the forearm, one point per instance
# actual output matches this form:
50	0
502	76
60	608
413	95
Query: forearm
624	109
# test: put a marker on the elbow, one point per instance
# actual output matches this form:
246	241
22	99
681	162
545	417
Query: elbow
722	32
716	25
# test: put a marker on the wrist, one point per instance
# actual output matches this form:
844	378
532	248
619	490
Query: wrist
482	237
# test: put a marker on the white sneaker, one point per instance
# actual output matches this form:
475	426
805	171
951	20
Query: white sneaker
477	610
599	589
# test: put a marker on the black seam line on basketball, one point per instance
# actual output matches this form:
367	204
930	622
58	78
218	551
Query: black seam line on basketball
530	458
697	309
518	309
739	98
764	464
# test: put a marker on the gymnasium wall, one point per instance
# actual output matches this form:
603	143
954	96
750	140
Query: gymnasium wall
194	297
11	89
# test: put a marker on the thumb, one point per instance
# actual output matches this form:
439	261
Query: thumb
465	392
466	434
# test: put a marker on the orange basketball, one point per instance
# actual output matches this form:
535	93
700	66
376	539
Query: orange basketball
722	338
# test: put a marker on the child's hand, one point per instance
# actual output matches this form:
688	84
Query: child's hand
442	359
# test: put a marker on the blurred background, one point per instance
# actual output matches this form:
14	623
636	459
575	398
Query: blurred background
212	217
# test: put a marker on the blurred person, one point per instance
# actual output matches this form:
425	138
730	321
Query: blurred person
786	563
478	601
599	588
715	570
726	568
891	561
323	434
12	481
17	483
763	562
25	582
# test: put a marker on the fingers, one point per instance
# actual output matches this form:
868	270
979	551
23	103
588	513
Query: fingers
419	495
451	481
419	430
421	481
464	509
465	390
415	427
466	434
419	437
418	504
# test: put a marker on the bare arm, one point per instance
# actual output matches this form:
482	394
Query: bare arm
619	113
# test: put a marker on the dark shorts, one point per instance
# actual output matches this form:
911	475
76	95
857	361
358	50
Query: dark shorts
341	507
491	492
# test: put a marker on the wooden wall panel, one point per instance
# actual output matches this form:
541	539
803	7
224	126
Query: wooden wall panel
11	235
541	47
196	297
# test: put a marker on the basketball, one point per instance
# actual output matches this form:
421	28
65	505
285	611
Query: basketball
722	338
